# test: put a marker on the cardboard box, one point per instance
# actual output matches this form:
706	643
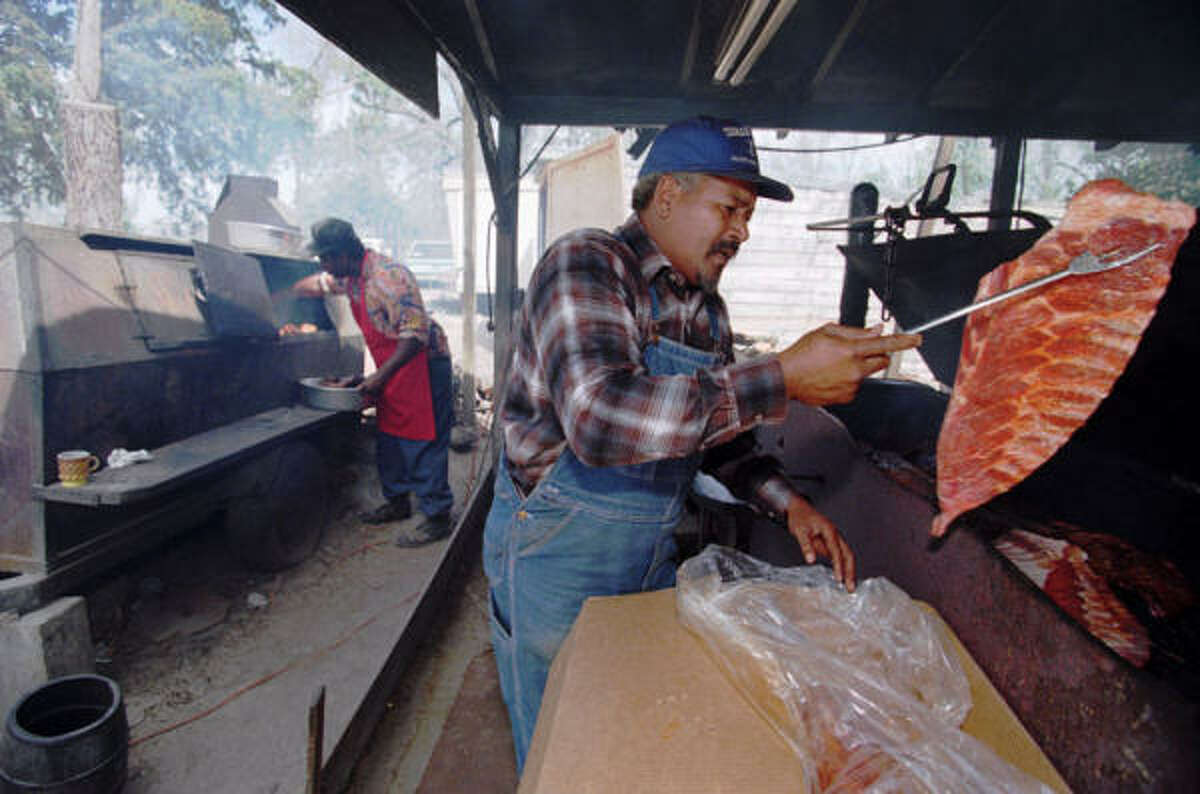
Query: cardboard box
634	703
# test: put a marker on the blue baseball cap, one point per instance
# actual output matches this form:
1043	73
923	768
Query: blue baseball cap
721	147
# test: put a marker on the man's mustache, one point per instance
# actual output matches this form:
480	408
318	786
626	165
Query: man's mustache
727	247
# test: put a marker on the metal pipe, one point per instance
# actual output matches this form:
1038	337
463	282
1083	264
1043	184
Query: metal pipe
737	43
864	200
507	201
762	40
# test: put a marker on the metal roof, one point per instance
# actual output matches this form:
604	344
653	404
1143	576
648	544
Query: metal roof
1092	69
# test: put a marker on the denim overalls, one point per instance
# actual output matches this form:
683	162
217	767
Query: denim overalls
582	531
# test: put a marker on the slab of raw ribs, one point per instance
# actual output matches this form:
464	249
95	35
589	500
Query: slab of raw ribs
1034	368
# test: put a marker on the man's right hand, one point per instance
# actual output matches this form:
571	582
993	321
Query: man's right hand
826	366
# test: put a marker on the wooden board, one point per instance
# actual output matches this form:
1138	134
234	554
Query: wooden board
177	463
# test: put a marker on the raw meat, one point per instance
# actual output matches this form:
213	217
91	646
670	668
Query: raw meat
1035	367
1061	570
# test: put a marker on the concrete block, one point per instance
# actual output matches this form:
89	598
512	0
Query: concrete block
53	641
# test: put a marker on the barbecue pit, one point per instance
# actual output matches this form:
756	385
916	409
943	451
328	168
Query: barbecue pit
1127	480
173	347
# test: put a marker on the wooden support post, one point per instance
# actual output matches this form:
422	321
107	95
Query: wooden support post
467	386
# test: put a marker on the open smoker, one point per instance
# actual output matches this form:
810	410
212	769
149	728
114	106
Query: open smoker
116	341
1124	490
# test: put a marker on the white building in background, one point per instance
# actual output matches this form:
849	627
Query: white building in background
528	215
785	281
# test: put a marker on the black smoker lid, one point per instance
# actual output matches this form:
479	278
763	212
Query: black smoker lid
932	276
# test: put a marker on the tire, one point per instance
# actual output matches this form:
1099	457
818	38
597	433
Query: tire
282	507
68	736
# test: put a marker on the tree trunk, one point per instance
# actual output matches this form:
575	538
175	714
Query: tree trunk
92	142
85	84
91	135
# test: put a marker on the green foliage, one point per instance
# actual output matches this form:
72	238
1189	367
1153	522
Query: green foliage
196	96
1054	170
32	50
1167	171
381	167
975	158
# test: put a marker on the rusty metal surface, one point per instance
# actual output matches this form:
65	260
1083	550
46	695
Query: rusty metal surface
474	752
151	403
13	311
81	301
21	541
235	293
74	306
1106	725
20	464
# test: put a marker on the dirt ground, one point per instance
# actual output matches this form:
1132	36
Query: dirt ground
218	663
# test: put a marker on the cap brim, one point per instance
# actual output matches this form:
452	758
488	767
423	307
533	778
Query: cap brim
769	188
763	185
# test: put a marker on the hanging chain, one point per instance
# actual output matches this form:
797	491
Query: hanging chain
894	226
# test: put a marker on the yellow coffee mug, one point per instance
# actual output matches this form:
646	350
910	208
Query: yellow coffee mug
75	465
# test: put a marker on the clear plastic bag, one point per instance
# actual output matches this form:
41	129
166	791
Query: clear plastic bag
859	684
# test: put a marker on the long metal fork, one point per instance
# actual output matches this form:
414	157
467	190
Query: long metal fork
1087	262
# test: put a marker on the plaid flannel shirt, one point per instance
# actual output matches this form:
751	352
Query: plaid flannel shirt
577	375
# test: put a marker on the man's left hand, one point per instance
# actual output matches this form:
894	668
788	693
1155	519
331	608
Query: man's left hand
818	537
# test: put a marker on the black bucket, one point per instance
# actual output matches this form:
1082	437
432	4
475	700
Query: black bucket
68	736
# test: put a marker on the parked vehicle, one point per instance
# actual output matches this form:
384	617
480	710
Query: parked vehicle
433	263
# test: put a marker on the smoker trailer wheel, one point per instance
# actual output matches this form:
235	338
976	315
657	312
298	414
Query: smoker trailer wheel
282	506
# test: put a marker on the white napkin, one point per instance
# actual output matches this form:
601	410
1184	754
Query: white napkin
122	457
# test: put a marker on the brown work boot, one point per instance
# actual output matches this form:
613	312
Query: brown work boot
395	510
431	529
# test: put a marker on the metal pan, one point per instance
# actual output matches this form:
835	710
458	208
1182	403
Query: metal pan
330	398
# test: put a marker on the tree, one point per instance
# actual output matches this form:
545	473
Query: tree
33	47
91	132
381	164
198	98
1168	171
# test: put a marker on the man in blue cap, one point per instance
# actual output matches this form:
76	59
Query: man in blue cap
623	385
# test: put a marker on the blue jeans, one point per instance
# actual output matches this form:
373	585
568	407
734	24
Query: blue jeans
422	467
581	532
